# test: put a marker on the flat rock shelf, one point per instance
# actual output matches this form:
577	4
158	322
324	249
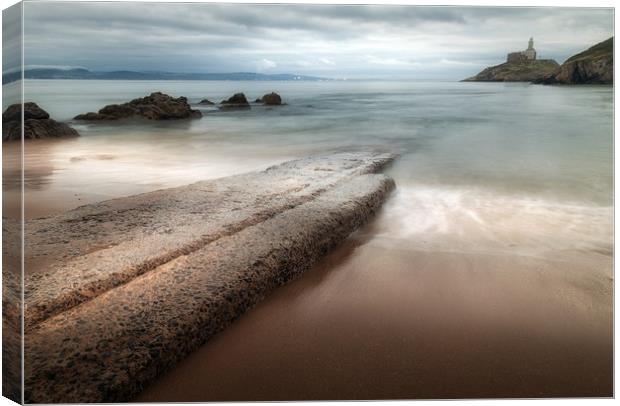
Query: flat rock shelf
118	292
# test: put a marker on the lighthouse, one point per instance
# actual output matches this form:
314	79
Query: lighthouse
528	55
530	52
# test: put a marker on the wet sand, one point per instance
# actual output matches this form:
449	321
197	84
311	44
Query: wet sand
61	175
371	323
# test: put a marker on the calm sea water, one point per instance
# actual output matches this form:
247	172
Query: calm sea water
508	164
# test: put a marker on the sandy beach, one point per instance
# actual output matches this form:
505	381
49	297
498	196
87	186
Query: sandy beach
370	324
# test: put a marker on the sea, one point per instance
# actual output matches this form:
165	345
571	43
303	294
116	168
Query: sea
483	154
502	218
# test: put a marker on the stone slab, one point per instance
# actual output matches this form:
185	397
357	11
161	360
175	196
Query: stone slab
227	243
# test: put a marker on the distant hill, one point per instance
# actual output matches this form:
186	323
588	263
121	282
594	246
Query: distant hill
79	73
521	71
595	65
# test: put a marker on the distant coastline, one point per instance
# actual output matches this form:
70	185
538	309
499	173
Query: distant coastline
81	73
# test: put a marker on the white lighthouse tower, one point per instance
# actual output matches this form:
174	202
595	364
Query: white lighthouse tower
530	52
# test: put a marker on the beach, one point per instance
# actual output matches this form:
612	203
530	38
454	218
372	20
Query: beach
416	325
487	273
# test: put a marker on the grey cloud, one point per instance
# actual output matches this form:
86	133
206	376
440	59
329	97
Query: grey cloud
235	37
11	38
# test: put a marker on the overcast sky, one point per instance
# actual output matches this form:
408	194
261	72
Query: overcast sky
330	41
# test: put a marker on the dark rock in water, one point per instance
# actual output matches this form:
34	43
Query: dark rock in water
37	124
272	99
206	102
237	101
156	106
92	116
592	66
31	110
118	110
259	100
47	128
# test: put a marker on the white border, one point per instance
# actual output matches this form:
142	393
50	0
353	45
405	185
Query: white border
484	3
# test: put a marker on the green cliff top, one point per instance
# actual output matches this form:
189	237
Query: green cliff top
605	48
522	71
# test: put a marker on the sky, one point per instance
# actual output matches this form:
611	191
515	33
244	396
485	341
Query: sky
417	42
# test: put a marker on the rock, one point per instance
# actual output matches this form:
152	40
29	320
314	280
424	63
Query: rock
129	285
47	128
37	124
272	99
31	110
592	66
119	110
518	71
206	102
237	101
156	106
545	80
259	100
93	116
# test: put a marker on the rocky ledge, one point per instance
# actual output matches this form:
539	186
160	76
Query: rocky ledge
156	106
37	124
130	286
522	71
592	66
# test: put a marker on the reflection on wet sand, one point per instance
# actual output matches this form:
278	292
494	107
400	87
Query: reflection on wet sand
60	175
371	323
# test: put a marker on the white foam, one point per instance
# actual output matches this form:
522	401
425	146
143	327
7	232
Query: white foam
480	220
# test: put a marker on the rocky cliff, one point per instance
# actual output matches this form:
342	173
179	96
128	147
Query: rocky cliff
521	71
592	66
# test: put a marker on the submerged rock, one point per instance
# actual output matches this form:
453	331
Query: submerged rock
237	101
37	124
206	102
156	106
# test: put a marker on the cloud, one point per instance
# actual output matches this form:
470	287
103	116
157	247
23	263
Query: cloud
11	38
265	64
389	61
326	61
351	41
456	63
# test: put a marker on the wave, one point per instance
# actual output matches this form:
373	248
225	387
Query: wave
458	219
